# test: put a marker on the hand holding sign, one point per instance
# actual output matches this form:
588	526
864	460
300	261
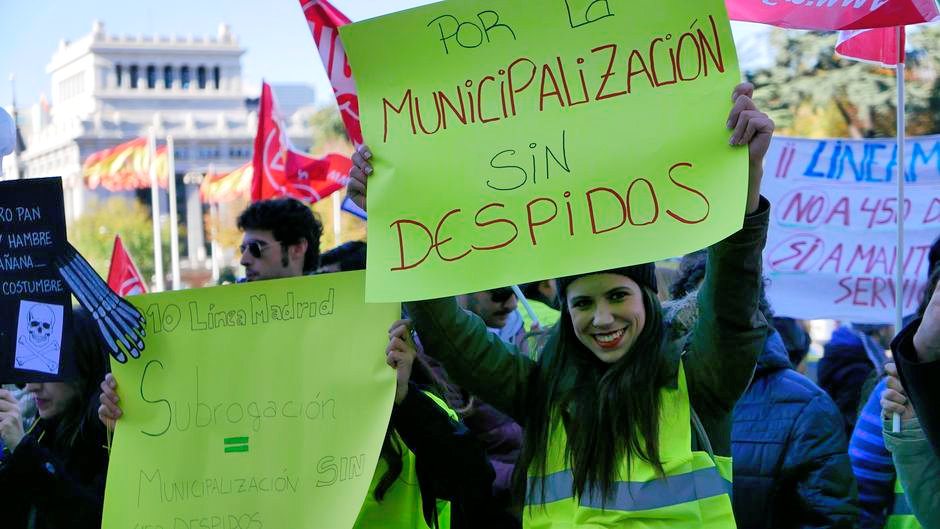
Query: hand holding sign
356	188
893	399
109	411
401	354
754	129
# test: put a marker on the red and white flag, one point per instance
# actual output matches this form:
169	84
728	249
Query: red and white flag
833	15
281	170
124	277
324	21
878	46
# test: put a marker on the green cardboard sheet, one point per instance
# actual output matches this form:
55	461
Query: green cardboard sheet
522	140
254	405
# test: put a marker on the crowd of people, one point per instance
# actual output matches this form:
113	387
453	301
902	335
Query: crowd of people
619	405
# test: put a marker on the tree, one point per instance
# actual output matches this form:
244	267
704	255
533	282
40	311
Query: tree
810	88
93	234
330	133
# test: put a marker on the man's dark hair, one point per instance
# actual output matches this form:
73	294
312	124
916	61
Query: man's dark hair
690	276
531	291
795	339
290	221
350	256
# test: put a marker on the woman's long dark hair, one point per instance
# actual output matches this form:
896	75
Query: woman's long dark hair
610	411
80	419
392	447
391	453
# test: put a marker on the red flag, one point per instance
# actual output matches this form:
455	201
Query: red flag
879	46
281	170
123	277
324	21
832	15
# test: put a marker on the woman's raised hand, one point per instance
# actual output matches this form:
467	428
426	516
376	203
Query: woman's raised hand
109	411
400	354
753	128
361	169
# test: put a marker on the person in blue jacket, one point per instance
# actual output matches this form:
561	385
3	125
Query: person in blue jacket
789	448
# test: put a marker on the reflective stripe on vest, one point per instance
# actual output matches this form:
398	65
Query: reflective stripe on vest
902	517
640	496
696	492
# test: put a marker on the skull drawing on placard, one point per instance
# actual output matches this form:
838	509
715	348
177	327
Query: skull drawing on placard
41	325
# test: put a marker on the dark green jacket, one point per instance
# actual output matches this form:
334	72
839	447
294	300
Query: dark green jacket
721	352
918	470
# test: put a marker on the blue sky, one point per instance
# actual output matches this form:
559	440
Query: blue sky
274	32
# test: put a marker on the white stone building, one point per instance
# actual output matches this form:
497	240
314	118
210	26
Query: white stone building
109	89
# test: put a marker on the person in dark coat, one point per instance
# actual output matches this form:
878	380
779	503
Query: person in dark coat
917	352
54	474
791	463
795	339
848	359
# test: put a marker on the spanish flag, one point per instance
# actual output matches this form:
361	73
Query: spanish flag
226	187
125	167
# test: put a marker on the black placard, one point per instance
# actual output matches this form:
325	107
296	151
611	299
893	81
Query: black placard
35	303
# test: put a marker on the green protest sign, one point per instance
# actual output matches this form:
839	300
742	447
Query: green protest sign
535	139
253	406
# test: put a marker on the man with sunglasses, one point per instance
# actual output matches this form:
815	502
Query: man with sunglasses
497	309
281	239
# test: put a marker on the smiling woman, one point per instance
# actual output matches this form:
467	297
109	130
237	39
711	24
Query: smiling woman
608	312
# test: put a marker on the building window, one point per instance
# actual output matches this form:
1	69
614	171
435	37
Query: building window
151	77
217	76
239	151
117	72
72	86
133	71
167	77
184	77
206	152
201	77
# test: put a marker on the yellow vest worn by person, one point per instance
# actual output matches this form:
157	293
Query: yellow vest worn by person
401	507
695	494
902	517
547	316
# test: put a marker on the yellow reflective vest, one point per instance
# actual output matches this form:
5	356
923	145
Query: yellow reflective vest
902	517
401	508
695	494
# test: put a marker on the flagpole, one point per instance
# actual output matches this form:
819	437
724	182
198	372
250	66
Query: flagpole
174	217
337	220
160	285
213	228
17	174
899	268
215	216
